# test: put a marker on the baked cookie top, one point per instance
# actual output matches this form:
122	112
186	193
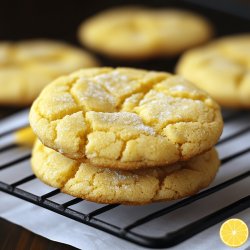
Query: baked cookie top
134	187
27	66
141	33
125	118
222	68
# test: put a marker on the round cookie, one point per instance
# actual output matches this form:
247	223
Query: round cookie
222	68
26	67
125	118
139	33
135	187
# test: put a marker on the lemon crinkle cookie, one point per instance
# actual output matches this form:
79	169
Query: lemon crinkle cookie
222	68
134	187
27	66
125	118
139	33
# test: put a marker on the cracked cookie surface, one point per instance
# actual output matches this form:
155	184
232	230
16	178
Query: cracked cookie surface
222	68
140	33
125	118
133	187
26	67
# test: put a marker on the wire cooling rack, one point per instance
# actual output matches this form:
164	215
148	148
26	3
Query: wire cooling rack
153	226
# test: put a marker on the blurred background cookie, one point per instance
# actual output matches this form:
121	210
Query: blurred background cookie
27	66
135	187
137	33
222	68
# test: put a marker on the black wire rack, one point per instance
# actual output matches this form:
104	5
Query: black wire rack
171	237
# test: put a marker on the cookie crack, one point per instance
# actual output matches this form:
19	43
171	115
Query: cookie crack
124	144
144	89
84	137
68	112
77	102
177	194
163	178
72	175
90	181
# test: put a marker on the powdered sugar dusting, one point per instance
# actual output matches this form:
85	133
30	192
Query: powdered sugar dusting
64	98
97	92
179	88
114	76
129	119
115	82
122	119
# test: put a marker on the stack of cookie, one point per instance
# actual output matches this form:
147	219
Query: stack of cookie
125	136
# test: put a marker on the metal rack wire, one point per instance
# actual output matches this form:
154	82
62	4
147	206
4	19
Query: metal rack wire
171	237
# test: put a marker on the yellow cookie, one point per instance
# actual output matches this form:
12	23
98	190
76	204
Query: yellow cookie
126	118
135	187
26	67
222	68
140	33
